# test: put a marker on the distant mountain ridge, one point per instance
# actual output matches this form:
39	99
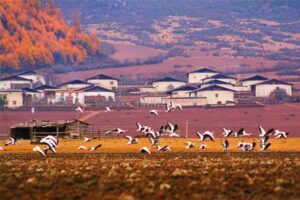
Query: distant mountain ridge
269	29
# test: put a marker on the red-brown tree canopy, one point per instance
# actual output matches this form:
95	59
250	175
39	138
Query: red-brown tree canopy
33	34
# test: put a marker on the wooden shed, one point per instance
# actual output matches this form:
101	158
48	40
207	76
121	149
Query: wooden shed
36	129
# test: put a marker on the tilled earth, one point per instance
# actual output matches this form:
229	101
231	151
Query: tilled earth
271	175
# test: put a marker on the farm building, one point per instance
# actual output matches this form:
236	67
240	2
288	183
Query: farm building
35	77
166	84
181	91
248	82
214	95
221	77
199	75
264	89
14	82
104	81
75	84
36	129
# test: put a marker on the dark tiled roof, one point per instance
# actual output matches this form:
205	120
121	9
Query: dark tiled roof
96	89
274	81
213	88
221	76
15	78
74	82
30	90
167	79
204	70
28	72
43	87
255	78
183	88
102	77
216	82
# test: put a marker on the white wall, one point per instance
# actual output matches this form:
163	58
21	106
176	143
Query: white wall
15	99
195	77
222	96
164	86
264	90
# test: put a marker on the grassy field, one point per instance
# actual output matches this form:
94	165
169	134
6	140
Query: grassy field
119	145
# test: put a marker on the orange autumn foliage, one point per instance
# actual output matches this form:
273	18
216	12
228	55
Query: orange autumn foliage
34	34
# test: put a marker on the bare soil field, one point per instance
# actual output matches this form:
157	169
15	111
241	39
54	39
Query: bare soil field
285	117
157	176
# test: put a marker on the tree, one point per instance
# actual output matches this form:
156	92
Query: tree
3	101
279	94
76	21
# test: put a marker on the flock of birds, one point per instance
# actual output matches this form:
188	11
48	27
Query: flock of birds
168	130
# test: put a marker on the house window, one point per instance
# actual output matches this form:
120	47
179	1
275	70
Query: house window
14	102
216	95
111	82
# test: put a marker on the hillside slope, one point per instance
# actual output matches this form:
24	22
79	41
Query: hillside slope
34	35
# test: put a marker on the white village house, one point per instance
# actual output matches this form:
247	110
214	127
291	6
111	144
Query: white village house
36	77
248	82
264	89
181	92
217	82
95	94
214	94
14	82
14	97
21	97
166	84
74	84
104	81
199	75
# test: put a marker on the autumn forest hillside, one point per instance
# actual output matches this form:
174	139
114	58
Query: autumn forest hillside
34	35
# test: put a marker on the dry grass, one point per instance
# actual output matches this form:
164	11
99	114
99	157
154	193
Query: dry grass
119	145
